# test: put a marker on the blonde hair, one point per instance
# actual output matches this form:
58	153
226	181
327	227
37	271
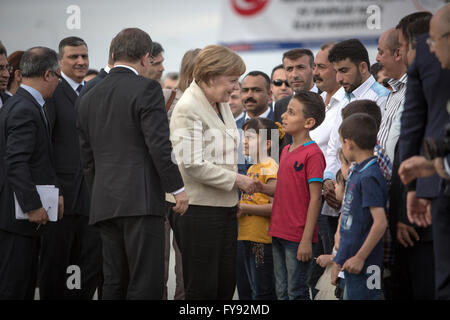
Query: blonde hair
216	60
187	69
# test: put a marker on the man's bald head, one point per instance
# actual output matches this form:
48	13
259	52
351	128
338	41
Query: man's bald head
390	37
440	36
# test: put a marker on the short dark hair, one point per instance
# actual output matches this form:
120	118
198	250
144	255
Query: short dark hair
280	66
408	19
361	129
416	28
313	106
37	60
294	54
71	42
352	49
92	71
130	45
363	106
2	49
374	69
262	74
156	49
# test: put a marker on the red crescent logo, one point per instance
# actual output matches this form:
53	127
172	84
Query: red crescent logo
248	7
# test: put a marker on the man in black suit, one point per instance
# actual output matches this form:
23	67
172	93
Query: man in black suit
5	73
426	115
71	241
126	156
25	161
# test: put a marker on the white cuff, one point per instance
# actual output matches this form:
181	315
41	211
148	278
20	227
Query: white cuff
178	191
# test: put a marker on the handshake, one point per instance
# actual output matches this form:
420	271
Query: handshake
249	185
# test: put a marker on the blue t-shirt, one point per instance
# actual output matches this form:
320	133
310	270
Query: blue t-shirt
366	187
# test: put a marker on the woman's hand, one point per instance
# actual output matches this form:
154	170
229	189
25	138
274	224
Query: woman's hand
247	184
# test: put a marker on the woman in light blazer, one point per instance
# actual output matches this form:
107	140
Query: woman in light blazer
205	140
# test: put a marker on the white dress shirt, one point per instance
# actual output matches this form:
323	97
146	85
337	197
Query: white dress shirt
72	82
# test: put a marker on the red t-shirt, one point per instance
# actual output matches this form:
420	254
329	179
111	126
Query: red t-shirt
297	169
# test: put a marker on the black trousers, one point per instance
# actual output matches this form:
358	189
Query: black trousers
18	266
133	257
413	273
441	241
70	242
207	237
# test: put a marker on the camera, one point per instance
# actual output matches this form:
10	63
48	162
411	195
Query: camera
437	148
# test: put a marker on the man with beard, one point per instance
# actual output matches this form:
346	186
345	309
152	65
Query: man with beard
351	62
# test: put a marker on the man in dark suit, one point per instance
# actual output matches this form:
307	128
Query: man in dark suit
425	115
5	73
126	156
25	161
71	241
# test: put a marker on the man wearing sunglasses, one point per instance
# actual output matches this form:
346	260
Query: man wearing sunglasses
5	70
279	85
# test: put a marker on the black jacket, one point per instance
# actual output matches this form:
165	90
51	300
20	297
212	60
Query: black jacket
125	147
25	160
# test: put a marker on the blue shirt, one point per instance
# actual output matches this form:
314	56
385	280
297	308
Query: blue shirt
366	187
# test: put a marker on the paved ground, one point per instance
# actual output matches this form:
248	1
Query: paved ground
170	284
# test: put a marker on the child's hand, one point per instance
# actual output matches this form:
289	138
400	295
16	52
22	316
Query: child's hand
304	251
334	273
324	260
353	265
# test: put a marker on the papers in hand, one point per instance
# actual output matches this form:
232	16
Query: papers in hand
49	198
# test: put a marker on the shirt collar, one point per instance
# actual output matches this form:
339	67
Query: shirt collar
71	82
398	84
337	97
240	116
128	67
107	69
314	89
362	89
35	93
263	115
365	164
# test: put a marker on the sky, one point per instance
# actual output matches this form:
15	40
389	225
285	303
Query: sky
179	25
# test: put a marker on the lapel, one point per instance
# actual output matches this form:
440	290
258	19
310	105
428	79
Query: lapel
228	125
68	91
25	94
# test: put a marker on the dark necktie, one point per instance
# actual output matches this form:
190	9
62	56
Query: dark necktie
80	87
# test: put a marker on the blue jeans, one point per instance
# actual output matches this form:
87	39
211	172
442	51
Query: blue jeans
356	287
258	263
290	273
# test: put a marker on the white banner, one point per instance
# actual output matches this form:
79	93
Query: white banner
284	24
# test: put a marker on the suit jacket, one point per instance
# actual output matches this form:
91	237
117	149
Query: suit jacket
206	149
25	160
4	97
425	113
81	197
90	84
125	147
66	146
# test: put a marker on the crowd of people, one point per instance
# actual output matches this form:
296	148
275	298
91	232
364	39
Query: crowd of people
310	183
